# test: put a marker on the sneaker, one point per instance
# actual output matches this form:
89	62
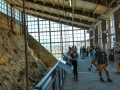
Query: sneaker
89	69
101	79
96	70
76	79
109	80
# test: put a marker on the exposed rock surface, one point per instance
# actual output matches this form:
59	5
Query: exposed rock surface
42	54
12	61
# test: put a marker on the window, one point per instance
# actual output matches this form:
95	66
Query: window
48	33
9	10
3	7
112	30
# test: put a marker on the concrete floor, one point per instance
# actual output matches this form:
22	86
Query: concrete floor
90	80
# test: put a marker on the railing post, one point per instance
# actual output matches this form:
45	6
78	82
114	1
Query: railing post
53	84
59	79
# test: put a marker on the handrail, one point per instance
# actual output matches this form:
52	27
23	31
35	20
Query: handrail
53	80
45	77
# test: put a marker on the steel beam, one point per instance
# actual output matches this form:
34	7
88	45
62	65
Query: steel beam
79	12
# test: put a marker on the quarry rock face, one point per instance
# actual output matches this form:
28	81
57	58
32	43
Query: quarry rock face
42	54
12	61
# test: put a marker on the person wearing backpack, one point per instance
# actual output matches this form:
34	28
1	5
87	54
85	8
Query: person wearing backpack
102	63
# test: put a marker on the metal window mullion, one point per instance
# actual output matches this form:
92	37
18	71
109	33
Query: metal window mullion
7	8
61	41
72	20
38	30
84	38
50	36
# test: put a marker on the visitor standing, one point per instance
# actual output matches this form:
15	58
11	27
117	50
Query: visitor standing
102	63
81	51
74	57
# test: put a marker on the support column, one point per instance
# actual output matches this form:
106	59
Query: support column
50	37
96	36
104	39
61	44
84	38
109	41
117	29
91	40
38	30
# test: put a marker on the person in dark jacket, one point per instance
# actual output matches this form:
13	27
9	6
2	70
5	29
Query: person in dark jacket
81	51
84	52
74	57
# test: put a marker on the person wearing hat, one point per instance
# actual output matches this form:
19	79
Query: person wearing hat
102	63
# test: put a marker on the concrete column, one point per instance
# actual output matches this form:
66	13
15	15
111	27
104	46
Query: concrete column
109	41
104	39
117	21
96	36
91	40
84	38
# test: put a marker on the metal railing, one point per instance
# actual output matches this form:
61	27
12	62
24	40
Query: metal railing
53	80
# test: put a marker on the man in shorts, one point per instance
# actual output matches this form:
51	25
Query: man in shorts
102	63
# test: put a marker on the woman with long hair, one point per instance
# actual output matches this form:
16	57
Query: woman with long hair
74	57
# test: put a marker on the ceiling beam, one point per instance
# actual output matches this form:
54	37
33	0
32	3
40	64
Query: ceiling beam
95	9
84	7
49	10
56	12
35	1
61	16
63	3
79	12
53	2
43	1
88	19
70	24
100	2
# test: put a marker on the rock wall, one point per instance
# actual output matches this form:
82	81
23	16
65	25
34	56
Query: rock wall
42	54
12	58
